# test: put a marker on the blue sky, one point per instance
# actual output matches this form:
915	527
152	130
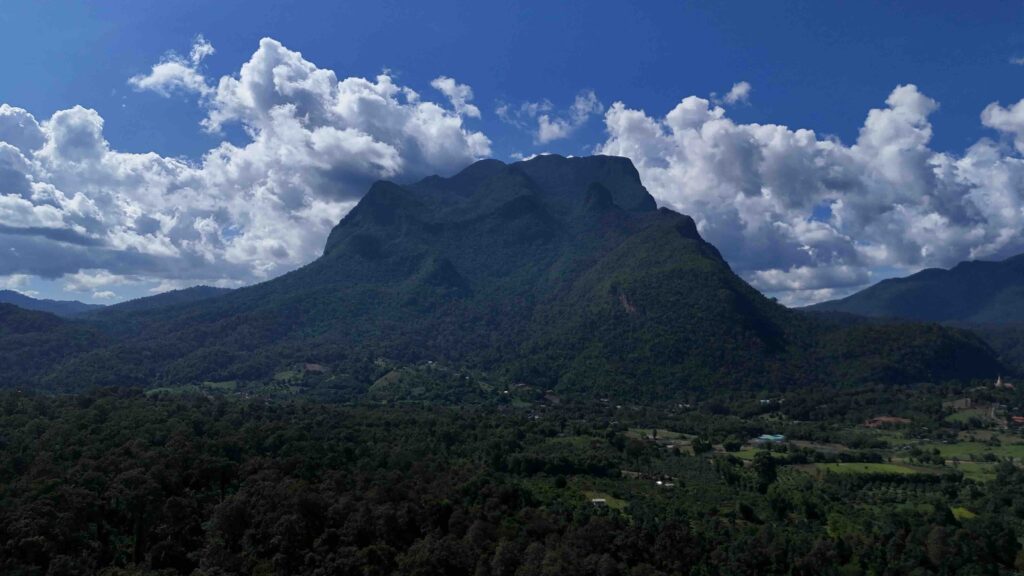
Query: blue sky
809	65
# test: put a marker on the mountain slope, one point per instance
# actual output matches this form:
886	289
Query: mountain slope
970	293
65	308
33	342
555	272
170	298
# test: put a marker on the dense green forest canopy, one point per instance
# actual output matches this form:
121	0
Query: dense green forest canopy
122	483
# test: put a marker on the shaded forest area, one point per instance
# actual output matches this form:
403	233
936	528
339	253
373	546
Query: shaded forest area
118	482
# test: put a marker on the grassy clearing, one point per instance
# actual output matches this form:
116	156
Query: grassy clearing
974	450
863	468
961	513
746	453
613	502
173	390
662	434
965	415
287	375
977	471
578	441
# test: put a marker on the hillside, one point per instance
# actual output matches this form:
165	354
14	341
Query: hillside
162	300
32	342
65	308
554	272
975	292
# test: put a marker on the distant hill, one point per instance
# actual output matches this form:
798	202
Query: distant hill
988	293
162	300
65	308
556	273
33	342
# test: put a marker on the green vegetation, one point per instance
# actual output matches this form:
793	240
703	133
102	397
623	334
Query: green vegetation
965	416
611	501
961	513
468	366
64	308
972	292
555	273
747	453
869	468
973	450
206	481
977	471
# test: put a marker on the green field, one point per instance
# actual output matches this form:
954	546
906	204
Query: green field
969	450
173	390
645	433
977	471
613	502
746	453
863	468
225	386
966	415
962	513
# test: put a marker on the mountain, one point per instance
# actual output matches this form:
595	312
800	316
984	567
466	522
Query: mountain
977	292
164	299
556	273
65	308
32	342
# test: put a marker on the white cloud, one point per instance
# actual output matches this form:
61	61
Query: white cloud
799	215
547	126
1008	120
738	94
201	48
16	282
74	208
20	129
523	116
1019	61
807	217
458	94
177	73
91	280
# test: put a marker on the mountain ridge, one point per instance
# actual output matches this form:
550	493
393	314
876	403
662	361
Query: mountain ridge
560	272
971	292
64	308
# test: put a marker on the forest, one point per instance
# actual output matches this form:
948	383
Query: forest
123	482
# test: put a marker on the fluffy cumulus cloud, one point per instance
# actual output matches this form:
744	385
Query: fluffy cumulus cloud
1009	120
72	207
807	217
175	72
458	94
547	125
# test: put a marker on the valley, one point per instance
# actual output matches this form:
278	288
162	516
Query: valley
183	479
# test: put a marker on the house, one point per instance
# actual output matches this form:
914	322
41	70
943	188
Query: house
769	439
1000	384
1017	420
599	502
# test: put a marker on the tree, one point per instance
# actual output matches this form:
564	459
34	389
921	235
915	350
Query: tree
766	469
